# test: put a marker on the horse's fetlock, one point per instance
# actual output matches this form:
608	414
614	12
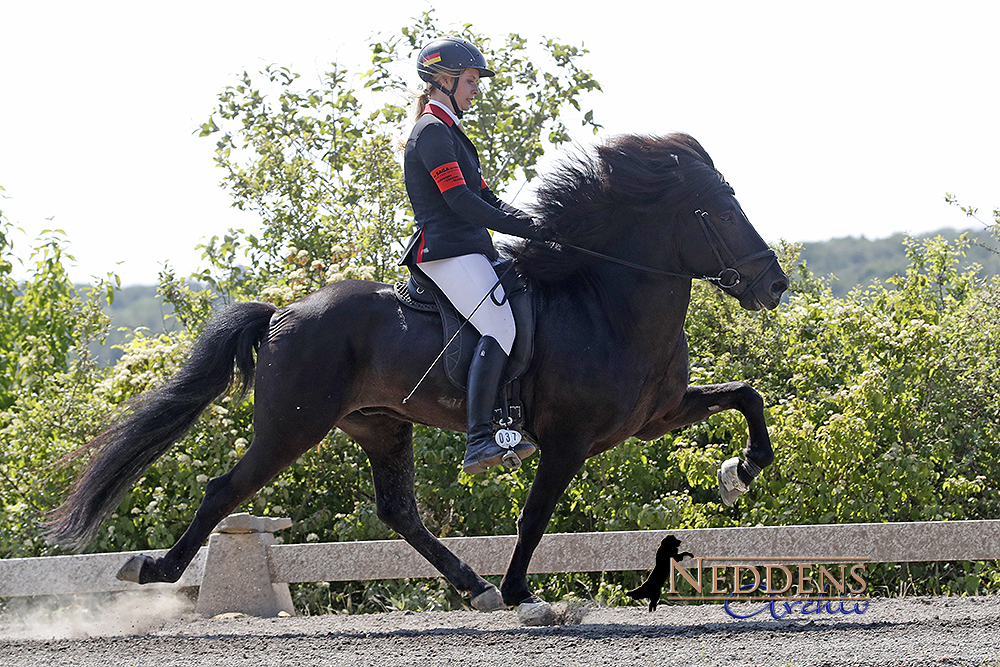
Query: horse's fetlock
760	460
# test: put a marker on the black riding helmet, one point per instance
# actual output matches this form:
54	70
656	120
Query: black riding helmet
450	55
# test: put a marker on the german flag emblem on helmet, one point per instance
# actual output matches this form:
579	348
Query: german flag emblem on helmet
431	58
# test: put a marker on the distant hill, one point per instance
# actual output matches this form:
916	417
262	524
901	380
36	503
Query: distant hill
135	306
859	261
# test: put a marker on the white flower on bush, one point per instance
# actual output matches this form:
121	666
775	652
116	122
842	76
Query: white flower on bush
312	537
183	459
201	479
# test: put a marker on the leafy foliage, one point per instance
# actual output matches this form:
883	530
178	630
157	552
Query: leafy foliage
46	379
881	403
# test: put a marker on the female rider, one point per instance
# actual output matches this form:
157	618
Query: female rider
453	208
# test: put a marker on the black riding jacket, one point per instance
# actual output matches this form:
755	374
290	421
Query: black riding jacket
451	202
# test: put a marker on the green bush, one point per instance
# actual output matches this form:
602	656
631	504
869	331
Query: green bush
881	406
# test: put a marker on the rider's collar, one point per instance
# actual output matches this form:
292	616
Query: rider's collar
442	112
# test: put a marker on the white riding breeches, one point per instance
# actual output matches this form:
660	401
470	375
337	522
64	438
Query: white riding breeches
466	280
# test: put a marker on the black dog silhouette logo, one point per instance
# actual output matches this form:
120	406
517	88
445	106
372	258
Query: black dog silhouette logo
652	587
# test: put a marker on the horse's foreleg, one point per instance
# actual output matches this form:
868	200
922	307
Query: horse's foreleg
555	471
389	445
701	402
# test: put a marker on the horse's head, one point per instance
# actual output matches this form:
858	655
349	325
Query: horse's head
672	184
720	243
655	204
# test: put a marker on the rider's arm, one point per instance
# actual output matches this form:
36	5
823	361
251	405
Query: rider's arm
437	153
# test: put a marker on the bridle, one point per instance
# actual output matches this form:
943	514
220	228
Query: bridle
729	276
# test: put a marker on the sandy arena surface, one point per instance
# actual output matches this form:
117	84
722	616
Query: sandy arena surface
898	631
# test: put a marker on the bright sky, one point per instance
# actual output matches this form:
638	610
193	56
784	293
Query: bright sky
830	119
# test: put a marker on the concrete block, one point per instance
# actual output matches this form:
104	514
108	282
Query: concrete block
237	577
248	523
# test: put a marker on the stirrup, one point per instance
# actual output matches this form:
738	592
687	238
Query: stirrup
511	461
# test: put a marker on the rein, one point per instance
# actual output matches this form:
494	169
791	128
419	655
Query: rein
729	276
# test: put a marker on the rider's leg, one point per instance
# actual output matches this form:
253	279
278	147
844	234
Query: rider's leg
466	280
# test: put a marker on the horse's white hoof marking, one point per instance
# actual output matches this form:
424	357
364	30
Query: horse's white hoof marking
731	487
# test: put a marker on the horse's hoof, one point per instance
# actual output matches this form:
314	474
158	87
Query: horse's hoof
488	600
535	611
731	487
132	570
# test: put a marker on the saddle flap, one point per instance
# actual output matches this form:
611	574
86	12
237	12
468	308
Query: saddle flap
420	292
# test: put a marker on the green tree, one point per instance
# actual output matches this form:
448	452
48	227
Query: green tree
322	169
47	377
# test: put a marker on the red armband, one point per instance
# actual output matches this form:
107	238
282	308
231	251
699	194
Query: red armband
448	176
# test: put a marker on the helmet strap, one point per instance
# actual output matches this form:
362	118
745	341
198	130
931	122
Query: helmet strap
450	94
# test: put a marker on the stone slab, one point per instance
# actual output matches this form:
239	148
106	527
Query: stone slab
85	573
635	550
247	523
236	578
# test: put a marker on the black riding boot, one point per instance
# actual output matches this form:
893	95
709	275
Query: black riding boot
485	373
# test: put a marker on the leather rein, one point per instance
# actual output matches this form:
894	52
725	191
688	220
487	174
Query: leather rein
729	276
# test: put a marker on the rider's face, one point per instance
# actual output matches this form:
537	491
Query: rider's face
468	88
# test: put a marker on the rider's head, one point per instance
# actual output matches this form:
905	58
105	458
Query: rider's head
442	62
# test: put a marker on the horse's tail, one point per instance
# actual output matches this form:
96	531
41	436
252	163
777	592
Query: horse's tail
158	418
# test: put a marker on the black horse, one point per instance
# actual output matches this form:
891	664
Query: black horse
610	362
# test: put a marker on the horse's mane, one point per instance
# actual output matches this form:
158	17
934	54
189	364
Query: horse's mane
592	197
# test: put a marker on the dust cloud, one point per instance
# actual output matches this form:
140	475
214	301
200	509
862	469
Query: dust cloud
82	616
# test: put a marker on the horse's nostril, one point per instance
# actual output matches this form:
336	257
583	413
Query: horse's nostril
779	287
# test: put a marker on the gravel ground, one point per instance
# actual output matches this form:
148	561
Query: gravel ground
898	631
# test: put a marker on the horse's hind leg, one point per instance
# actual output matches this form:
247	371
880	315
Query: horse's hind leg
388	442
289	419
265	458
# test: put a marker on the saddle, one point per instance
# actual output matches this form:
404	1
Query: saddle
460	337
